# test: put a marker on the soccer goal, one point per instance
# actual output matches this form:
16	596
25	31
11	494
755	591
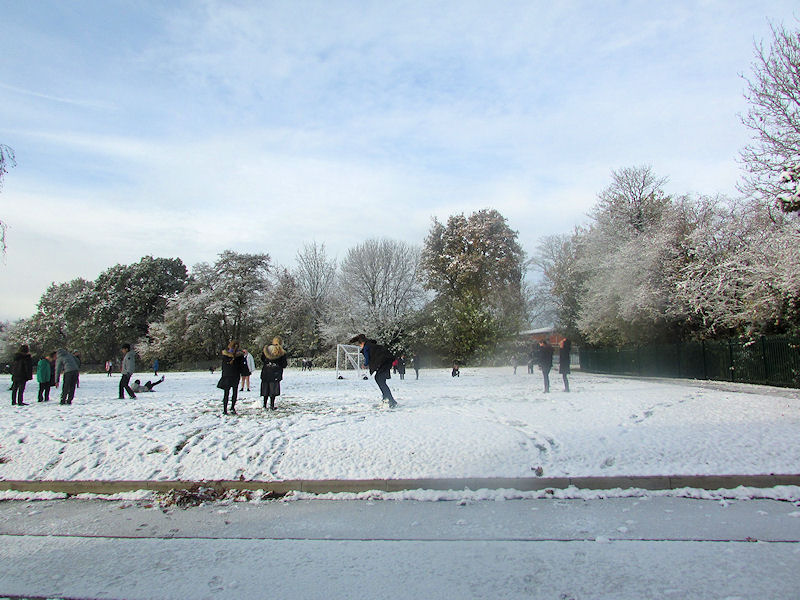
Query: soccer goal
349	358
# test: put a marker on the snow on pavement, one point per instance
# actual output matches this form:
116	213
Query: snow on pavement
487	423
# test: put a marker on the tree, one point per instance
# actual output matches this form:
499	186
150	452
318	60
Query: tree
221	302
474	265
772	160
557	257
7	160
315	276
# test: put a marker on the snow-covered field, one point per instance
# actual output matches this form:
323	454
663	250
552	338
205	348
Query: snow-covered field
487	423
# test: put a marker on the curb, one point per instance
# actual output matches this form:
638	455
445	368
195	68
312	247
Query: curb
324	486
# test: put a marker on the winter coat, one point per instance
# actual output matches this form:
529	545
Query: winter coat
22	367
377	357
250	362
401	366
564	359
65	362
129	363
546	357
232	364
52	371
273	366
43	374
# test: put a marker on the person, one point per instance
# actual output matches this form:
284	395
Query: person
21	374
564	361
77	356
44	375
394	366
128	367
514	363
109	367
147	387
232	363
415	364
66	363
379	361
546	363
250	363
456	372
52	360
401	366
273	363
155	367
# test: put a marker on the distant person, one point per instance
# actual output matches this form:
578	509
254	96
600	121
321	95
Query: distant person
155	367
564	357
147	387
456	372
273	363
415	365
77	356
401	367
68	365
514	363
232	364
44	375
250	363
546	363
21	374
109	367
128	367
379	361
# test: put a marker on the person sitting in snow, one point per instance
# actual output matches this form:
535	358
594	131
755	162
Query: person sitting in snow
147	387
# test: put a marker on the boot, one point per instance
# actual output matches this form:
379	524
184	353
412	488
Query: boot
225	406
272	403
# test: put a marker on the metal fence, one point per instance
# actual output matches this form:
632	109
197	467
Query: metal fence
765	360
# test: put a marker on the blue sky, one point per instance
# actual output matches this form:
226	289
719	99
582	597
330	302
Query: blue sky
185	128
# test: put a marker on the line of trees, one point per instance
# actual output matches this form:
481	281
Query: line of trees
457	295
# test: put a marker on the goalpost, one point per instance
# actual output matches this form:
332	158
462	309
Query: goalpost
349	358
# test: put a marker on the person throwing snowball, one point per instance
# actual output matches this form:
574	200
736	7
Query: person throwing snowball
379	361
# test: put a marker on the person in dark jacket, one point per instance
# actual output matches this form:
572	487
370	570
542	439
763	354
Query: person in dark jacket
44	375
66	363
401	367
274	362
232	364
546	362
379	361
21	373
564	361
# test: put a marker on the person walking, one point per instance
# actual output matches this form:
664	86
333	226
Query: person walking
67	364
250	363
379	361
401	367
44	374
546	363
232	364
21	374
564	358
109	367
274	362
415	365
155	367
128	367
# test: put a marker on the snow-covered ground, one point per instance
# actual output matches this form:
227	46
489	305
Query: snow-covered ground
487	423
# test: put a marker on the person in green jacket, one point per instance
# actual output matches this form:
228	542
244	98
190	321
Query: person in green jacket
44	375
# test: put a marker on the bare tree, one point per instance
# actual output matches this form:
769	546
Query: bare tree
7	160
383	276
772	159
315	275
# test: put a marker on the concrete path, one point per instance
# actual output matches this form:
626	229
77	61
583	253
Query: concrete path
612	548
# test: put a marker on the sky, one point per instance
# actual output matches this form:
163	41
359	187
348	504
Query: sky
185	128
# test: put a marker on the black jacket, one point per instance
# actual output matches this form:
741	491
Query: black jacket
546	356
22	368
379	357
273	368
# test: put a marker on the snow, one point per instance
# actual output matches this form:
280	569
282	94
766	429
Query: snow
487	423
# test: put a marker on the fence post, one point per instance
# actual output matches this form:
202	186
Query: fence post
678	355
730	359
764	359
705	364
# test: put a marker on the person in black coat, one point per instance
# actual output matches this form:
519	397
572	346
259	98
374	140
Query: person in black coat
21	373
232	365
564	361
546	363
274	359
379	361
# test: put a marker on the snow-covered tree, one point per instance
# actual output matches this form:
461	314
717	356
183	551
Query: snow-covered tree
557	258
315	276
7	160
772	159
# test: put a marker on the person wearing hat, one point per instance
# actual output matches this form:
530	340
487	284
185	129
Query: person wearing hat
274	359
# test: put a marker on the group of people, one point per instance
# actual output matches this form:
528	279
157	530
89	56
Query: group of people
545	360
49	370
238	364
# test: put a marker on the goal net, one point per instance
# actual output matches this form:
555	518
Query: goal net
349	360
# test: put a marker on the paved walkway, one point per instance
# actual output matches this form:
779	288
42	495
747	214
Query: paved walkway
613	548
